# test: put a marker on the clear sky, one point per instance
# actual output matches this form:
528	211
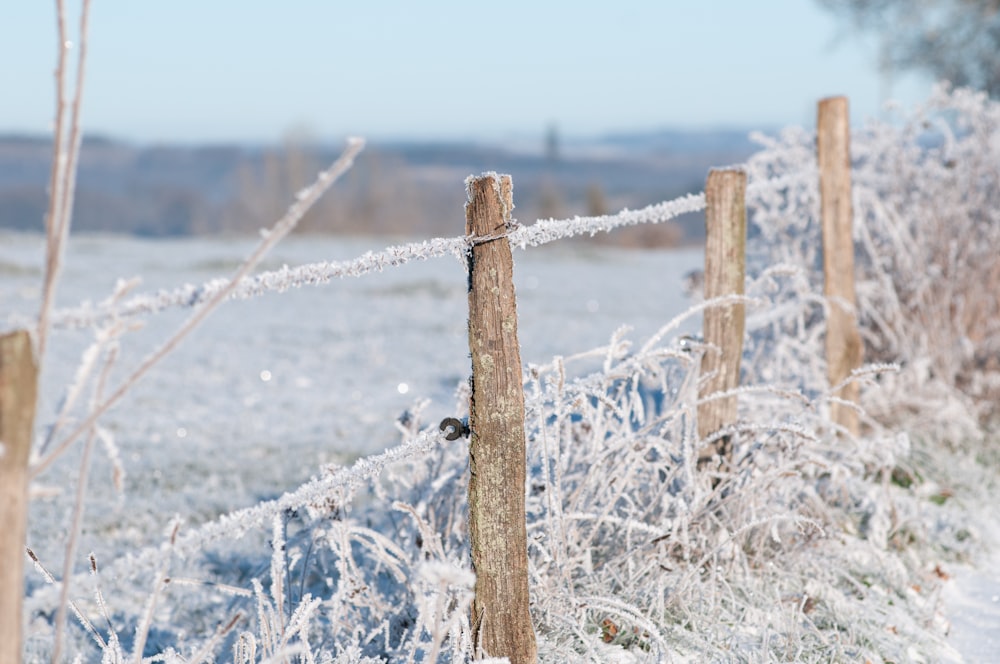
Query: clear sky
253	70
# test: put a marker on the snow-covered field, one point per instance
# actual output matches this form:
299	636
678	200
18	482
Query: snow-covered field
812	546
273	387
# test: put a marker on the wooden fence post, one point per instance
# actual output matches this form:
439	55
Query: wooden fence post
723	326
843	341
501	619
18	390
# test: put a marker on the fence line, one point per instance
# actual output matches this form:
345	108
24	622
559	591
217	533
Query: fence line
315	493
543	231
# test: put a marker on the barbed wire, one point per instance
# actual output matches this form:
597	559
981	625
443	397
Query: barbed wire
541	232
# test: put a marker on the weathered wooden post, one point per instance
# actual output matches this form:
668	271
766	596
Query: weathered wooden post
18	390
723	326
500	616
843	341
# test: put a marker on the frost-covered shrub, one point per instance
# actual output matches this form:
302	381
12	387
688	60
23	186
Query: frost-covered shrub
927	235
797	552
794	553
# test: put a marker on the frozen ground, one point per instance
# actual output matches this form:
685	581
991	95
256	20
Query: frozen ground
273	388
972	604
972	595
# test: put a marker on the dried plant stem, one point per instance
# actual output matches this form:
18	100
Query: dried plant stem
49	578
62	178
142	631
205	653
58	156
304	201
74	531
88	362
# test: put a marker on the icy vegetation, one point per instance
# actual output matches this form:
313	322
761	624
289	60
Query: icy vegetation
813	546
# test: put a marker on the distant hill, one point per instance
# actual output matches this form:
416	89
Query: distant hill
682	141
403	188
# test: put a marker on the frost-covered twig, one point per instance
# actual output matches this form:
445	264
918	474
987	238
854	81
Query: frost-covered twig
304	200
77	521
205	653
62	179
104	337
161	579
49	578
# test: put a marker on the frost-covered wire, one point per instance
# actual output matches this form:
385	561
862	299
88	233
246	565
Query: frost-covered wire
235	525
544	231
541	232
311	274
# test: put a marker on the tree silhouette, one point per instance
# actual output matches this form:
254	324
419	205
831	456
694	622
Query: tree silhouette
957	40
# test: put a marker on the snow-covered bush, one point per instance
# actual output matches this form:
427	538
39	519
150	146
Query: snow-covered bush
927	232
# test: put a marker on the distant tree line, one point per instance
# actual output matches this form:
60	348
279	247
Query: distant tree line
188	191
405	190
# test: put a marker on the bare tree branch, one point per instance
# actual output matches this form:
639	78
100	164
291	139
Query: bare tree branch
956	40
62	179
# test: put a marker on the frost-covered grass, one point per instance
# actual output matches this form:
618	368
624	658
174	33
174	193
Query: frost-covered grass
812	546
926	238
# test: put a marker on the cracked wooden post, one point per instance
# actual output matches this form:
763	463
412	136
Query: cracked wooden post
18	390
725	271
843	341
501	619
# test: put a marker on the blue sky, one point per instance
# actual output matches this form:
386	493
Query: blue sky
254	70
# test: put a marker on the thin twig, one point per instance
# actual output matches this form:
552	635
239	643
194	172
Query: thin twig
49	578
101	604
62	179
306	199
68	190
205	652
87	363
162	579
57	139
74	532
